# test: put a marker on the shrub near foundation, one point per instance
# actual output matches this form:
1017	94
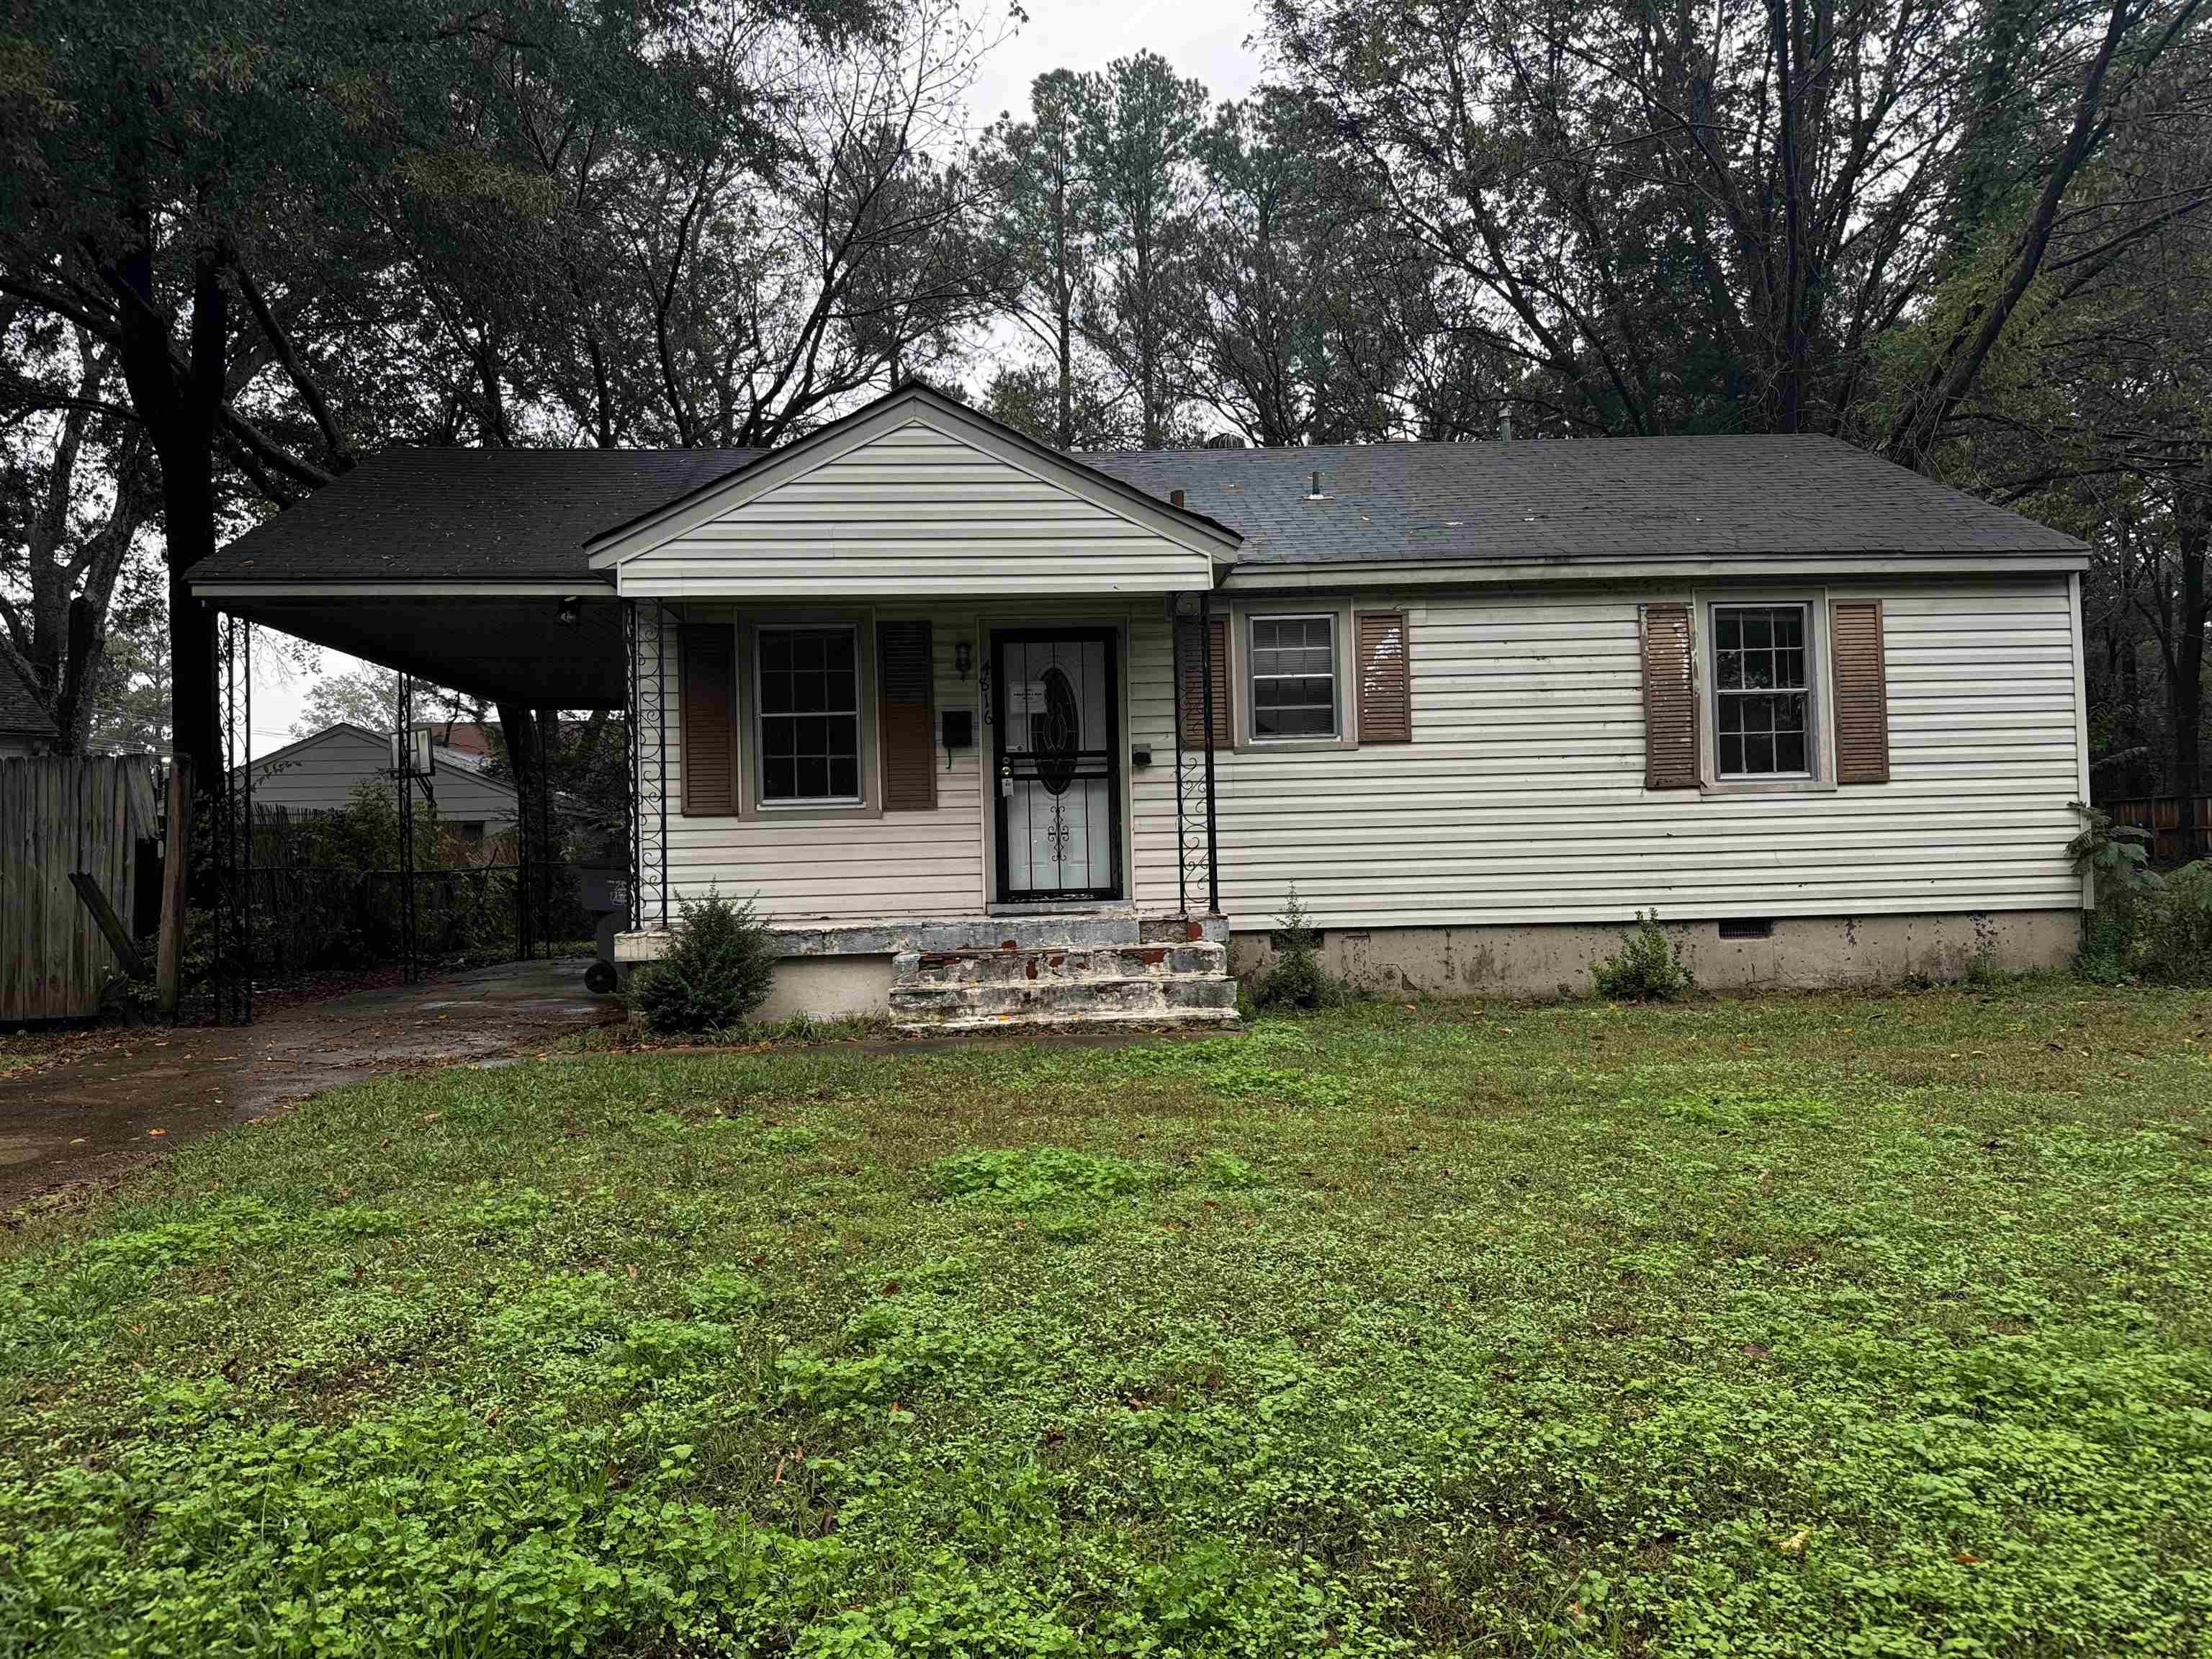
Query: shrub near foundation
717	971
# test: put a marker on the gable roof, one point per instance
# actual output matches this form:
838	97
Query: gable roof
915	401
447	520
1556	500
21	714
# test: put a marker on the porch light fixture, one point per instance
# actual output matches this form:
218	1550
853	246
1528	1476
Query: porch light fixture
569	611
963	658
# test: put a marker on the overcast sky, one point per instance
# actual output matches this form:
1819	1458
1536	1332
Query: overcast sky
1202	38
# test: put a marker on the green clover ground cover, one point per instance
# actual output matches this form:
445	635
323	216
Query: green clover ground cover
1810	1326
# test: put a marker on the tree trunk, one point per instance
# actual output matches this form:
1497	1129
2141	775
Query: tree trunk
180	414
2192	616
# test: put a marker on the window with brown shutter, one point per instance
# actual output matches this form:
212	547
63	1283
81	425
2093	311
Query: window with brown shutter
1385	704
906	733
1193	711
1861	691
709	719
1670	698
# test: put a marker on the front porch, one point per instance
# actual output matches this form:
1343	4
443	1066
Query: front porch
927	696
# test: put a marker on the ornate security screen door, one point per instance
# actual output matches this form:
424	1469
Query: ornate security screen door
1058	765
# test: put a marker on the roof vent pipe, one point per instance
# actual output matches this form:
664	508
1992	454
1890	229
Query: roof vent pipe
1314	493
1175	498
1505	426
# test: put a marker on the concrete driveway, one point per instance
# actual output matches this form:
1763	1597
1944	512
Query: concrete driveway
92	1120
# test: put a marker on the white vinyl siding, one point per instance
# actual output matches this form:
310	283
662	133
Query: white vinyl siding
839	867
1522	799
915	512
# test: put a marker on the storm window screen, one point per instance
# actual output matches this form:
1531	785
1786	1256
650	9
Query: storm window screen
1293	677
809	714
1762	691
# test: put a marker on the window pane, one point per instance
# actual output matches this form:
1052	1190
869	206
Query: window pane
1727	630
813	775
776	653
1790	752
845	737
1758	753
1789	628
1293	722
776	780
844	776
1731	755
1789	712
1789	667
1758	630
776	739
1731	721
1729	669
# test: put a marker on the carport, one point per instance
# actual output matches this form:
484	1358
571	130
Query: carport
466	568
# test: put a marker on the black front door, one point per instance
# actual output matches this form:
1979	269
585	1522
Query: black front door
1056	755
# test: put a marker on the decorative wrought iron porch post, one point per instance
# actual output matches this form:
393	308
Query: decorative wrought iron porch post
1205	701
645	720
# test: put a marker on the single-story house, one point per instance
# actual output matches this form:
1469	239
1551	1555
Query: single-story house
988	730
322	772
26	728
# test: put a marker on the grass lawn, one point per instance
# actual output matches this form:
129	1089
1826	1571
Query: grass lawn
1816	1326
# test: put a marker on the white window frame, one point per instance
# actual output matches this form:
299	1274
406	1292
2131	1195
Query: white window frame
1342	734
1819	777
755	803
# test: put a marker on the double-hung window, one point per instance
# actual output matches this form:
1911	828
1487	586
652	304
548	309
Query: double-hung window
1762	691
809	714
1294	677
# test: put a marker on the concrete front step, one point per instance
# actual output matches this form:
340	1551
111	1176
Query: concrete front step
1200	960
1155	997
1033	1020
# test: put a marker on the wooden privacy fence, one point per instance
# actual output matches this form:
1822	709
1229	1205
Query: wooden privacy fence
59	815
2180	826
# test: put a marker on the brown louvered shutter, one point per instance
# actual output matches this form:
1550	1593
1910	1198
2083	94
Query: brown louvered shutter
709	715
1194	711
1670	699
1386	701
1861	691
906	734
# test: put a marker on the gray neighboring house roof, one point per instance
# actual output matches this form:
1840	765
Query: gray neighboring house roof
516	515
21	716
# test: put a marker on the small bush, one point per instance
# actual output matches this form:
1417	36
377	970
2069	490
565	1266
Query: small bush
2117	858
716	972
1295	978
1648	967
2174	930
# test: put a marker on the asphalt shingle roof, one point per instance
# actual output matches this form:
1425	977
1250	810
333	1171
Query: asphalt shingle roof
1598	498
464	514
20	713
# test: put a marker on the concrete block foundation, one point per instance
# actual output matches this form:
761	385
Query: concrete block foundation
1800	953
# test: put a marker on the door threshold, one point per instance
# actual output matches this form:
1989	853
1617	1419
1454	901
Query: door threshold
1087	908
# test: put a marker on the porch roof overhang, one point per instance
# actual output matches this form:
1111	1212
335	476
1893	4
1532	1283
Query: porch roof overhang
506	643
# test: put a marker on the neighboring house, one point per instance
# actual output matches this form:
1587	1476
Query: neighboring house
320	774
25	726
912	683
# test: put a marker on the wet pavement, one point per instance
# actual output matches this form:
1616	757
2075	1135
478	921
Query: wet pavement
90	1119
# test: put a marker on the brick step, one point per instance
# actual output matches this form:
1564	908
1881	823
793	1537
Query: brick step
1158	998
1054	965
